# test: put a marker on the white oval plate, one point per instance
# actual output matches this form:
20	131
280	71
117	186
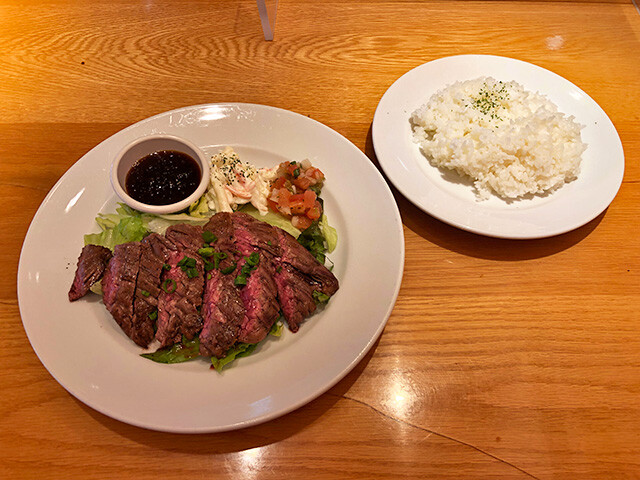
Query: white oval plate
88	354
454	202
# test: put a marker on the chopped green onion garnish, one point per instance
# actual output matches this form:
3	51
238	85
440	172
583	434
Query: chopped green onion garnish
209	236
166	266
240	280
229	269
320	297
153	315
168	284
206	252
222	255
144	293
253	259
187	262
192	272
208	265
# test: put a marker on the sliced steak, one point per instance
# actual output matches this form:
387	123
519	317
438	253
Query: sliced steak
252	234
155	251
92	263
160	246
296	272
297	275
298	257
179	307
295	294
185	236
223	310
180	299
260	294
119	285
260	299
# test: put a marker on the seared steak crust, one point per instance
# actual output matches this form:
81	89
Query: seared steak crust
252	235
260	294
155	250
119	285
223	309
180	300
295	294
92	263
260	299
298	257
185	236
223	312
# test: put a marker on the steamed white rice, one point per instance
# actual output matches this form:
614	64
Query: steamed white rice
508	140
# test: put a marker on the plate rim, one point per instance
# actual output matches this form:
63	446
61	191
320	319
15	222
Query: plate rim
274	413
387	164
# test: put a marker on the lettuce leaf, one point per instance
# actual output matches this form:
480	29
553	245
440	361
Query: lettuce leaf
329	233
240	350
129	225
277	328
178	353
124	226
237	351
313	240
200	208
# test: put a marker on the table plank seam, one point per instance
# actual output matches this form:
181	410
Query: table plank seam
29	187
433	432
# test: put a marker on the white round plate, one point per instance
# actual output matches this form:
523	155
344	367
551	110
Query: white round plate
88	354
442	194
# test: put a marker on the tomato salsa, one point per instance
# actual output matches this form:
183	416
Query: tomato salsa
294	193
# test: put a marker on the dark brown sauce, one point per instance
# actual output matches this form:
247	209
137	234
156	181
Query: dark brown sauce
163	178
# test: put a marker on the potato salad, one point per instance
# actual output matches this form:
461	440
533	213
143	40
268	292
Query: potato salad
235	183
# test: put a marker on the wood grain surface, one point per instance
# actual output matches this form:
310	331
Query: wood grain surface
501	359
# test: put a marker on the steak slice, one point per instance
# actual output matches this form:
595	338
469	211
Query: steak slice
185	236
155	251
298	257
223	312
252	234
298	274
260	299
180	299
179	308
222	308
260	294
295	294
118	288
92	262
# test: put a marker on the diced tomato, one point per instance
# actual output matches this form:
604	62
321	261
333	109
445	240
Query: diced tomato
273	205
301	222
292	168
309	199
302	182
315	174
284	197
315	212
279	183
297	204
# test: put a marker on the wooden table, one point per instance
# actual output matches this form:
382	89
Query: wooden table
501	359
